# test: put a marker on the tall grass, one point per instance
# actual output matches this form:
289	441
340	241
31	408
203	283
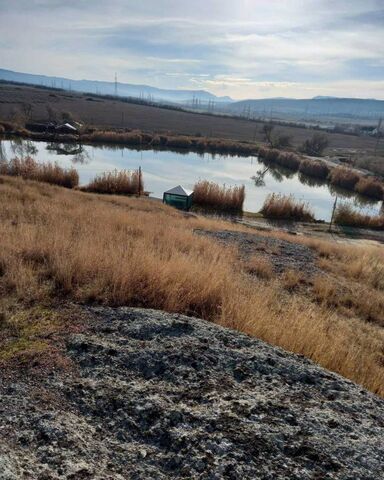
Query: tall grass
123	182
314	168
344	177
28	168
69	245
285	159
370	187
346	215
212	195
286	207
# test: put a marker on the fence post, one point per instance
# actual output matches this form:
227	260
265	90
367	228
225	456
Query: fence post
333	214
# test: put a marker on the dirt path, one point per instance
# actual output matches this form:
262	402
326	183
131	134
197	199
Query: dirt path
282	254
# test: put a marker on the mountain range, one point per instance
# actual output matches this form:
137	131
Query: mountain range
110	88
319	108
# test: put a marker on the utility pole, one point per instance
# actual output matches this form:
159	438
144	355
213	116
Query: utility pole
378	135
115	84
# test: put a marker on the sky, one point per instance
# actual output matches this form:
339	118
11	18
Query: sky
241	48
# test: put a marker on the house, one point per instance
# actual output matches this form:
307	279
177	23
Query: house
66	128
178	197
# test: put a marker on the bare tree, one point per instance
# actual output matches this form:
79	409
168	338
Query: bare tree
67	117
268	133
316	145
282	141
52	114
27	110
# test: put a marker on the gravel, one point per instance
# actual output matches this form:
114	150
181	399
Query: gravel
284	255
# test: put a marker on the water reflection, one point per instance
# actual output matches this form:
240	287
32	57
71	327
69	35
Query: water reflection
3	155
311	181
164	169
23	148
77	151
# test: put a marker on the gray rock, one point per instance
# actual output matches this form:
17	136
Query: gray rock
158	396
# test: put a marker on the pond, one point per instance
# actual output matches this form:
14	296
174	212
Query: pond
163	170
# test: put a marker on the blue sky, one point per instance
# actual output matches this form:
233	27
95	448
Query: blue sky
243	48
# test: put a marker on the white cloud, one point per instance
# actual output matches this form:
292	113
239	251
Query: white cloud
242	48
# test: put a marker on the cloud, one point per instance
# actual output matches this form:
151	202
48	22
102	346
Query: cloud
244	48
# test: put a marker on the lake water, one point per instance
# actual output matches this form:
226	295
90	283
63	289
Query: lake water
163	170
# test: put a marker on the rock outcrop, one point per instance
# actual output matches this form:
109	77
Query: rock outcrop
157	396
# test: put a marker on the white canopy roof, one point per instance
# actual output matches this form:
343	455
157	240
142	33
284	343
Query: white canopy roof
179	190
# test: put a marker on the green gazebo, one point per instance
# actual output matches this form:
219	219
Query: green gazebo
179	197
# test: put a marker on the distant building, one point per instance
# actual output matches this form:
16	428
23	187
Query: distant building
179	197
66	128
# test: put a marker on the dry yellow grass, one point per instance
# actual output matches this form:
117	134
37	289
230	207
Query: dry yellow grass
260	266
60	245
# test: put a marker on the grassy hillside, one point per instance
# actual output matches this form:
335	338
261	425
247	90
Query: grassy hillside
62	247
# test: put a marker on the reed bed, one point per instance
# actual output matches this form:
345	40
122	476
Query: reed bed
211	195
72	246
28	168
345	215
286	207
344	178
370	187
314	168
179	142
285	159
117	182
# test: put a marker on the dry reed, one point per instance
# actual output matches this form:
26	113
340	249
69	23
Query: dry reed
28	168
314	168
370	188
117	182
344	177
211	195
286	207
347	216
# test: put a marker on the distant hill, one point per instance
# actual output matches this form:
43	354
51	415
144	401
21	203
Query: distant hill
311	109
108	88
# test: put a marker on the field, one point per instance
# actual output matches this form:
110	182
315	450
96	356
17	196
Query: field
106	113
62	247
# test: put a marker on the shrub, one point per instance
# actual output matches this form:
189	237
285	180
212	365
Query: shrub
344	177
52	173
316	145
315	168
210	194
370	187
283	141
122	182
347	216
286	207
